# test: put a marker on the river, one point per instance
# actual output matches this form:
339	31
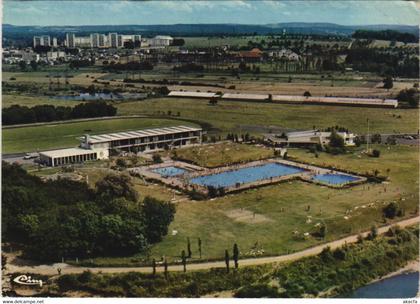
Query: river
405	285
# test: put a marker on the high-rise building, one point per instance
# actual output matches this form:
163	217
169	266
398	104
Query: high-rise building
54	42
41	41
70	40
113	40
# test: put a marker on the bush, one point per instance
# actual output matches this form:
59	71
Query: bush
376	153
157	159
392	210
257	291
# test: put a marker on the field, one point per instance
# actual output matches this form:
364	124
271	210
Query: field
28	139
30	101
256	118
266	218
222	154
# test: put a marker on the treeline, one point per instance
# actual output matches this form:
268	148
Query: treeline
385	35
17	114
130	66
67	219
383	62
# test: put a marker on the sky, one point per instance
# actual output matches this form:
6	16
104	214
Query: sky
213	11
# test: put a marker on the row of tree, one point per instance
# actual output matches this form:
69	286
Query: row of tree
67	219
17	114
385	35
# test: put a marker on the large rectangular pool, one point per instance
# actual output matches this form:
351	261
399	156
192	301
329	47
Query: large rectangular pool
169	171
245	175
335	179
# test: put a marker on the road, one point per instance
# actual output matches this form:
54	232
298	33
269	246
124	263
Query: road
66	269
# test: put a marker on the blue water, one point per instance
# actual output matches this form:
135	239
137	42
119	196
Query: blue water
335	179
399	286
169	171
245	175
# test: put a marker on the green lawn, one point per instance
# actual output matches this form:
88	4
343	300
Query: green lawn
53	136
30	101
281	209
242	117
222	154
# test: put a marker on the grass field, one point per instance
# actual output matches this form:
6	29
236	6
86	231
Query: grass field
222	154
53	136
254	117
268	216
30	101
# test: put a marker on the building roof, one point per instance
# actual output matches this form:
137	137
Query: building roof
192	94
140	133
66	152
245	96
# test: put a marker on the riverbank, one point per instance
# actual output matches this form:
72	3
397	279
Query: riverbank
412	266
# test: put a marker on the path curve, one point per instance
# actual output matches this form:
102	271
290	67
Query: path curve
66	268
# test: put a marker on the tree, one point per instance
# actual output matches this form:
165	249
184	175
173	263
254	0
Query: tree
165	268
336	141
323	231
115	186
410	96
157	159
227	260
235	255
199	247
307	94
121	163
34	65
376	153
189	248
157	216
154	266
22	65
392	210
373	232
388	82
184	260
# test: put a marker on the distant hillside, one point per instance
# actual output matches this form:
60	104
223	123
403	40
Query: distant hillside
11	31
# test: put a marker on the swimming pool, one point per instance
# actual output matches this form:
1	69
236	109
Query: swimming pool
245	175
335	179
169	171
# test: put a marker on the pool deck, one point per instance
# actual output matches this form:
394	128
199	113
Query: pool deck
183	181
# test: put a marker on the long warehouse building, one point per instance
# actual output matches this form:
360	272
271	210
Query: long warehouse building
102	146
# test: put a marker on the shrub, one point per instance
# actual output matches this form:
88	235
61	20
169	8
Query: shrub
257	291
376	153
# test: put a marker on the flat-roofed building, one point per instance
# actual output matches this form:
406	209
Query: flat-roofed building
70	156
308	138
101	146
147	140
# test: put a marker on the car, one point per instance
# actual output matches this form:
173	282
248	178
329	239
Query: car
31	155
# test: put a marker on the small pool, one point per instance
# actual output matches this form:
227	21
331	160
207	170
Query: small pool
335	179
169	171
245	175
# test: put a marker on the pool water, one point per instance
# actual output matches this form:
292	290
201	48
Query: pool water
169	171
335	179
245	175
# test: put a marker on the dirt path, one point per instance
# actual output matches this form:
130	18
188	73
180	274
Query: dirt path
52	269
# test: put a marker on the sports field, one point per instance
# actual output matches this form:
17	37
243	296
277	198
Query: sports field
29	139
255	118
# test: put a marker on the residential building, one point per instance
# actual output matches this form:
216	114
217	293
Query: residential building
70	40
160	41
41	41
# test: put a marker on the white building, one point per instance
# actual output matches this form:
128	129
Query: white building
310	137
41	41
100	146
53	56
70	40
160	41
